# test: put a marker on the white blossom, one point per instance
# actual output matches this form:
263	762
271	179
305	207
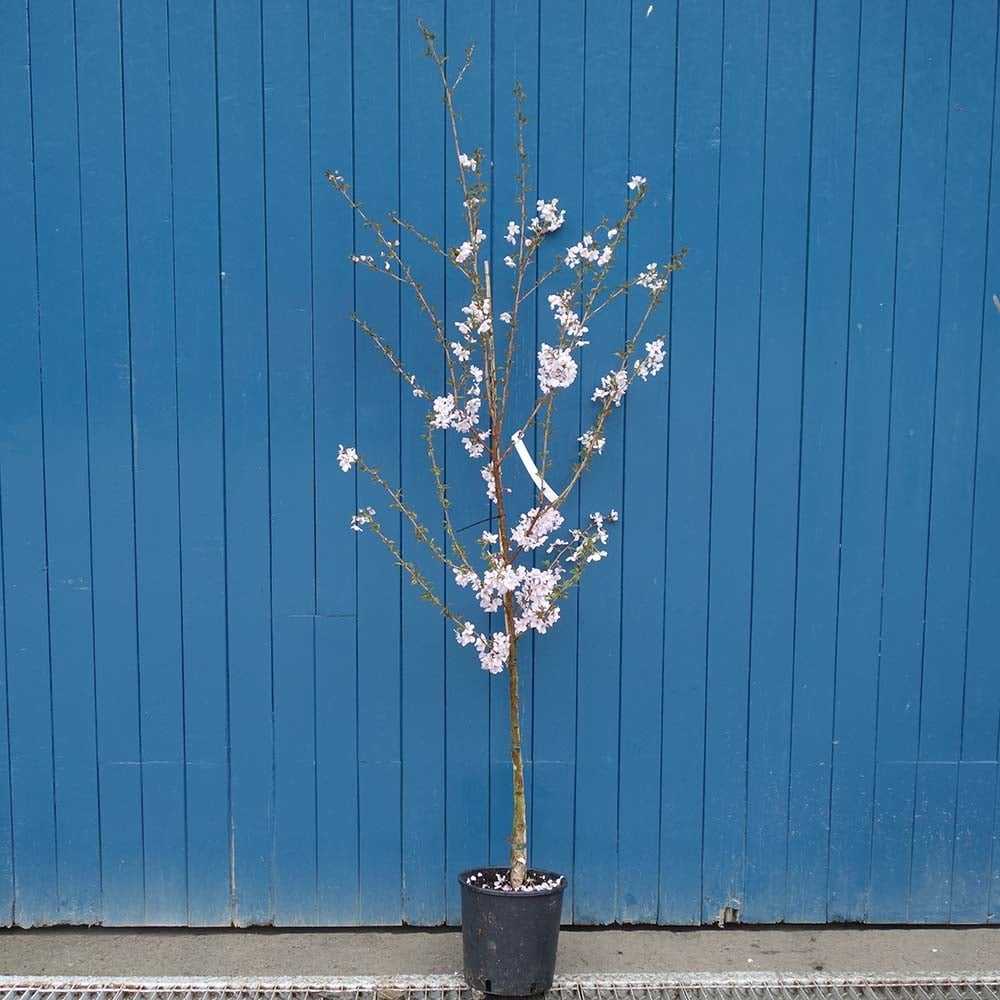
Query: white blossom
569	322
513	231
652	279
346	457
365	515
465	577
652	363
534	527
535	601
505	317
591	442
474	446
590	251
636	182
509	261
556	368
613	387
466	635
493	652
549	218
467	162
460	351
491	486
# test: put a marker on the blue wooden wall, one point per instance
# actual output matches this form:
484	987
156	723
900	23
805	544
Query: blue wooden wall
780	694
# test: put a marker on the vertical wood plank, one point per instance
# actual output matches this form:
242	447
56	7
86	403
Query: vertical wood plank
831	230
956	411
331	87
22	474
285	30
788	126
866	423
560	115
376	116
154	444
425	181
467	689
201	469
247	444
109	394
6	818
981	734
644	457
605	165
741	173
921	176
689	483
67	502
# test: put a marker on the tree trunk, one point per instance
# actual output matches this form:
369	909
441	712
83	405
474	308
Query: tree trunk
519	831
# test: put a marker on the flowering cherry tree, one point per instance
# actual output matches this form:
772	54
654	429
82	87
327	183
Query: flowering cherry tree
531	559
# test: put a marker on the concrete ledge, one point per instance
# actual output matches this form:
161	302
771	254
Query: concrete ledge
271	956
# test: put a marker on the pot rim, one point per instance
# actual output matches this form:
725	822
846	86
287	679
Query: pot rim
507	894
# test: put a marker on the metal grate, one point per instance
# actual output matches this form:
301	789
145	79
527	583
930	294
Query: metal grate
453	988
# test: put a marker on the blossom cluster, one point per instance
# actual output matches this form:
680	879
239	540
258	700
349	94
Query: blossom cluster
615	384
589	251
549	218
468	248
365	515
652	278
535	526
556	368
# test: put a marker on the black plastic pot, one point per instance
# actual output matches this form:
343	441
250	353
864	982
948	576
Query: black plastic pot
509	939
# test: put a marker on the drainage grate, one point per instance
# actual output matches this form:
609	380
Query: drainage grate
453	988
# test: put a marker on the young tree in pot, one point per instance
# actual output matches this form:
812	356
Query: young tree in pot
530	560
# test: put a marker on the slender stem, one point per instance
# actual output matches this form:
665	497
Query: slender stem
518	830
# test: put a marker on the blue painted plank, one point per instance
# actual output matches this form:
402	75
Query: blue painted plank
981	735
787	136
974	817
697	132
467	689
644	455
981	717
973	843
605	170
290	382
422	191
921	175
336	546
29	706
201	469
866	435
67	501
247	444
154	442
741	173
831	231
953	456
933	841
561	120
376	68
109	397
6	819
